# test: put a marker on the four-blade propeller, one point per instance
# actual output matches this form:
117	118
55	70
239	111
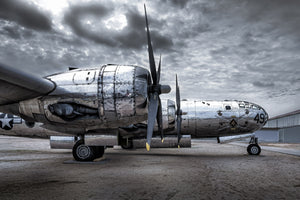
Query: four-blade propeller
154	90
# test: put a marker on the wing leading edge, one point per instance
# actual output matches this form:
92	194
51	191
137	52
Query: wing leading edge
16	85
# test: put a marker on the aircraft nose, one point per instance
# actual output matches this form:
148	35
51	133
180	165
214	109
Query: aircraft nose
261	116
266	116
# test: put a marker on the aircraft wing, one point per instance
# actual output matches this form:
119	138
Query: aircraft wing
16	85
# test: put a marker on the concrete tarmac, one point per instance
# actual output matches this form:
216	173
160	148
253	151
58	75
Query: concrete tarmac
30	170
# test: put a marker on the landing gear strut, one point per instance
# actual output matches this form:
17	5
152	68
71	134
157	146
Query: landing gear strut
253	148
82	152
126	143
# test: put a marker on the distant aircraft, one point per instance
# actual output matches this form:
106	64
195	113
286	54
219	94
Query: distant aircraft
105	106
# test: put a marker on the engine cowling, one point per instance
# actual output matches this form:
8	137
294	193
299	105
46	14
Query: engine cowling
105	97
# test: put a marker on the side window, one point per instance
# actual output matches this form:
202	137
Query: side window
228	107
241	105
254	107
84	77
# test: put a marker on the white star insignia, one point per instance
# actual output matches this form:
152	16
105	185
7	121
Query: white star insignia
5	121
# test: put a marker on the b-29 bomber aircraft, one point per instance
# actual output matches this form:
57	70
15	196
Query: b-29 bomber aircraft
94	103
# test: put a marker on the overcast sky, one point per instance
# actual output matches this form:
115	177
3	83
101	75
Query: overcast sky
231	49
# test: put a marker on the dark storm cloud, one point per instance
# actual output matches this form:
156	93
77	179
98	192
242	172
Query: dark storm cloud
179	3
263	84
231	49
24	14
11	31
73	16
132	36
135	37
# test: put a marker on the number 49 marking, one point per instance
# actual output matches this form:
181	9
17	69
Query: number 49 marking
260	118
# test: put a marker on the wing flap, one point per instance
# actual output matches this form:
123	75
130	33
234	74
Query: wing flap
16	85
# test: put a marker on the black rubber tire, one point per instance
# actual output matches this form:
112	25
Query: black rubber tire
82	152
253	149
98	151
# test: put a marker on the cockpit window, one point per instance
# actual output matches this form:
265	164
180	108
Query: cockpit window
241	105
228	107
254	107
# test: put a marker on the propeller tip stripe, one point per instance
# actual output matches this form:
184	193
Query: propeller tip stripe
147	146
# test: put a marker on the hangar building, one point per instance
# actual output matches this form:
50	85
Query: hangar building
283	128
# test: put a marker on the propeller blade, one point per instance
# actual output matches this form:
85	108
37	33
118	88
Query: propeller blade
177	96
178	113
160	120
179	136
158	71
152	112
154	90
150	52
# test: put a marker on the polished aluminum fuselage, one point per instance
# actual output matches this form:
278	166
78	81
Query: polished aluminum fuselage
221	118
203	119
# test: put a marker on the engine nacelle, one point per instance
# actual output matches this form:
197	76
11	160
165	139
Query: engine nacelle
106	97
168	112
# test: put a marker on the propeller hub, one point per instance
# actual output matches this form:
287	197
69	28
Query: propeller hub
165	89
179	112
159	89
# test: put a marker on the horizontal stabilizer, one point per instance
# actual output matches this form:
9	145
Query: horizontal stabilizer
16	85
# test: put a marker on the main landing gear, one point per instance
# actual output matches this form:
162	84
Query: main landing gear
126	143
82	152
253	148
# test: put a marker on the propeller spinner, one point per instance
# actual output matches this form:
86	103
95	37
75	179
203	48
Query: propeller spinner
154	90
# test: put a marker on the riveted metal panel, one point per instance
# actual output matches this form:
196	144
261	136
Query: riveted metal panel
164	103
85	91
29	107
100	94
108	77
188	125
110	68
125	74
171	114
108	93
124	91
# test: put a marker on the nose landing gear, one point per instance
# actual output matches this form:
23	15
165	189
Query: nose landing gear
253	148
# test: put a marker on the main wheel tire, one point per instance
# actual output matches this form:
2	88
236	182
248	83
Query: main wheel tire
254	149
98	151
82	152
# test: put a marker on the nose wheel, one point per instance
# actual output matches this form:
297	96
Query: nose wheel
253	148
